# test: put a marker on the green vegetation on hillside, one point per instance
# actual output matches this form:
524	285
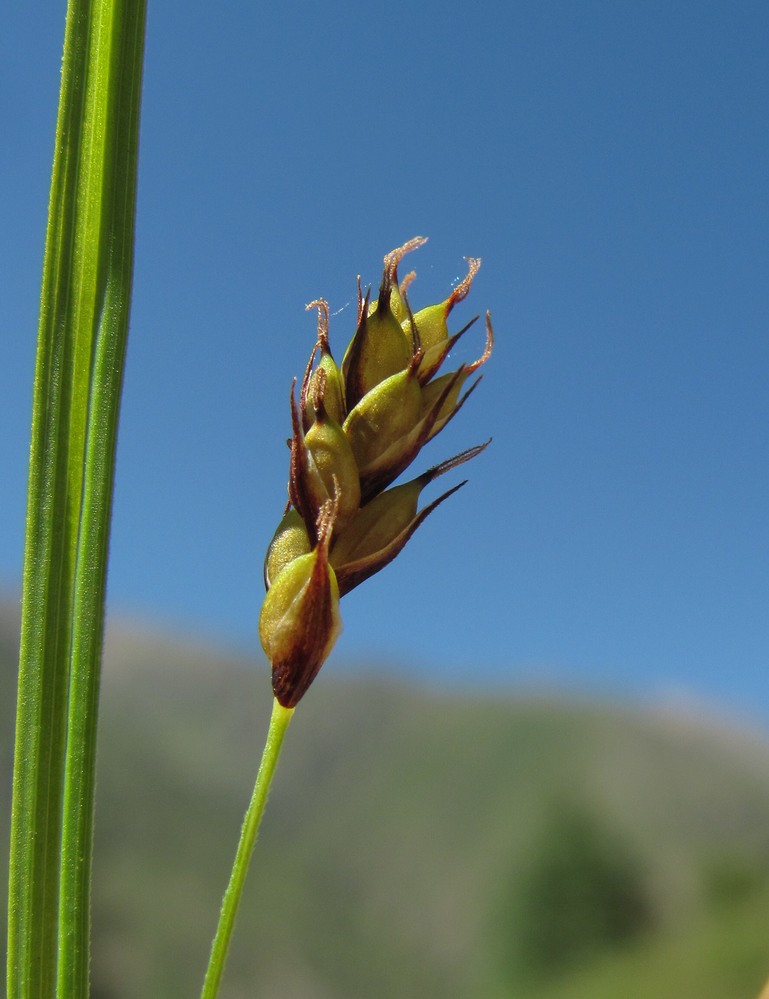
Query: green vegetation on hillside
579	892
407	836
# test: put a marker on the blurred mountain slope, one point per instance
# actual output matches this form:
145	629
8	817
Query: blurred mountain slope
397	853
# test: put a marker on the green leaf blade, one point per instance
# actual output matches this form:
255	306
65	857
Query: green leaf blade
81	345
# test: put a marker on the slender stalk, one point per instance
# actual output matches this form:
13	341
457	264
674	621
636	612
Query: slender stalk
279	722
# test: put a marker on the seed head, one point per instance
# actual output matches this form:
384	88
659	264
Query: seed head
355	429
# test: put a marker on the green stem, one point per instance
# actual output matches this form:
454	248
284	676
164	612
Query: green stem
111	154
86	288
279	721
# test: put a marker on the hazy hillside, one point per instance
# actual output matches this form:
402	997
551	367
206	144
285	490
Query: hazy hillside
419	843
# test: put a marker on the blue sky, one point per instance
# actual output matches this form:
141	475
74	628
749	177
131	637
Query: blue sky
609	163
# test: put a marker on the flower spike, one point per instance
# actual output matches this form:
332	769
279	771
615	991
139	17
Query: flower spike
355	429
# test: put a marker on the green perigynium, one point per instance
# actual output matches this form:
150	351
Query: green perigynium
355	429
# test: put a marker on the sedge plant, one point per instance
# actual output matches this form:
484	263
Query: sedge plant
355	428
